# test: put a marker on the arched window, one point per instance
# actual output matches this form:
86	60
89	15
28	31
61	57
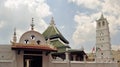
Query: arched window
33	37
26	41
99	24
103	23
38	42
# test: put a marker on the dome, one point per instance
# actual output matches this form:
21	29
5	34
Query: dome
32	37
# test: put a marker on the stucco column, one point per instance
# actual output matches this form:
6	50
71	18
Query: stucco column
67	58
27	62
74	57
84	58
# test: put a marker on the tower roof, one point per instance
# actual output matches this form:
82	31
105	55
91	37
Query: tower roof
102	17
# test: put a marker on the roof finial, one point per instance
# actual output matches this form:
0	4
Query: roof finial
14	36
102	17
52	21
32	24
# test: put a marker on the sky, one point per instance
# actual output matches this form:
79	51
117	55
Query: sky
75	19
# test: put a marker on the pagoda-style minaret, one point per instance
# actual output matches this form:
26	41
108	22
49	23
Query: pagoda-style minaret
14	36
103	45
32	24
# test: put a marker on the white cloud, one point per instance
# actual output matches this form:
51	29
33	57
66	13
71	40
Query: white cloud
37	7
85	29
2	24
113	23
92	4
115	47
41	26
62	27
43	10
18	13
19	33
111	7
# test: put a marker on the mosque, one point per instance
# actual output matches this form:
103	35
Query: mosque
51	49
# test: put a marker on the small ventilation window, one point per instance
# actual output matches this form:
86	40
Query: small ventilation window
101	53
38	41
101	34
33	37
101	45
26	41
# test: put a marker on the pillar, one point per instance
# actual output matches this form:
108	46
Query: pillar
84	58
74	57
27	62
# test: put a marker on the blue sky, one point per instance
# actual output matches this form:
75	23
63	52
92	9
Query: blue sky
74	18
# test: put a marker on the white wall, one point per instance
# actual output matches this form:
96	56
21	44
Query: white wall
82	64
45	60
7	56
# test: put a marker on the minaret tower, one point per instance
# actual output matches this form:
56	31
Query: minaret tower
103	45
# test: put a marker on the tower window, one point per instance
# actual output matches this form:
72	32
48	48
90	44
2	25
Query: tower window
103	23
26	41
99	24
32	37
38	42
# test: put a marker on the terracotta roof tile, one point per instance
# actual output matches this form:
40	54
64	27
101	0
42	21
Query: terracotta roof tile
32	46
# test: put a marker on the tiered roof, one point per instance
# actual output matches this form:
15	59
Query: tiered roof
56	38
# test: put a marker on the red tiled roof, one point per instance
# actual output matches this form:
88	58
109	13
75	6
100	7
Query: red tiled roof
32	47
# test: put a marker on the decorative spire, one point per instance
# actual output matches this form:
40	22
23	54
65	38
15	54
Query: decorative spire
52	21
14	36
102	17
32	24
